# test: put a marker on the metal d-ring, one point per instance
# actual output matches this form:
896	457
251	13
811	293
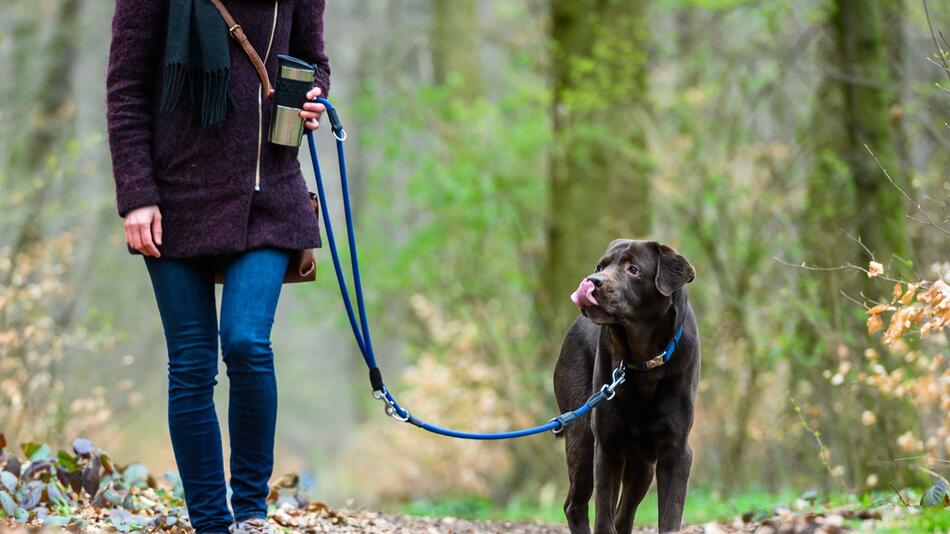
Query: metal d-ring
392	412
340	136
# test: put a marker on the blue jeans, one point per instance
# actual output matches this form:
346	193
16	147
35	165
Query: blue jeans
184	291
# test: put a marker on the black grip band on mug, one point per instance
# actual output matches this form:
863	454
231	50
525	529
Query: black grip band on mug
292	93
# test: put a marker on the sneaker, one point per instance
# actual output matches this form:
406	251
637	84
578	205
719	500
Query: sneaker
253	526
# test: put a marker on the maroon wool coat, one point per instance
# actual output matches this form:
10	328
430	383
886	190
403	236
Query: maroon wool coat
204	180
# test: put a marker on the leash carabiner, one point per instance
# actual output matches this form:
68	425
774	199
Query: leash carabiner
390	405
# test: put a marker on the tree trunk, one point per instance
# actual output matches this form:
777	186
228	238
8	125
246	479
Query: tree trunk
599	169
454	33
868	97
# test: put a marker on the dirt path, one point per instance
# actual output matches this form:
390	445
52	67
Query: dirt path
342	521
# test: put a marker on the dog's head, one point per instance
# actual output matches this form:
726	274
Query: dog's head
633	281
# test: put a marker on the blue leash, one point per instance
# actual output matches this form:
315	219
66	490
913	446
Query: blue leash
361	326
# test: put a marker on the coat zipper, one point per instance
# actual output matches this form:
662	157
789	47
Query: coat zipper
260	105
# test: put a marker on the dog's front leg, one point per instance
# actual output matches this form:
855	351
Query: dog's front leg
608	469
672	476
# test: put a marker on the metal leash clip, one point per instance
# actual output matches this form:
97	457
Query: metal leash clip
606	392
390	408
617	378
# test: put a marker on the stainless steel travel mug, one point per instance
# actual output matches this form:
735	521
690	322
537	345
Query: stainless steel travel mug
294	80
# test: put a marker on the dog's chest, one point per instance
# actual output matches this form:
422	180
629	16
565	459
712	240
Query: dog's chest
639	403
640	387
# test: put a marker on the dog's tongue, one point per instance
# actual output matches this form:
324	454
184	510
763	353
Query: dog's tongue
583	297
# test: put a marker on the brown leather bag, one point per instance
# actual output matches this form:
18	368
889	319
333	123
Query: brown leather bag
302	266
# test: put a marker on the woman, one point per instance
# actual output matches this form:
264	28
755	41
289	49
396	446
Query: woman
201	190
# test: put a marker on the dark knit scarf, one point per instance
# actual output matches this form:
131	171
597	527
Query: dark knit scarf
197	60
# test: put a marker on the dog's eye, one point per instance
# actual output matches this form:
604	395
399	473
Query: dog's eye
633	269
600	267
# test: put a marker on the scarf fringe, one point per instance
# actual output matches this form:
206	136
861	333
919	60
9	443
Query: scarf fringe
174	80
209	92
197	56
215	97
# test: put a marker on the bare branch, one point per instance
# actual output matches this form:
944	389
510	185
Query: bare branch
903	193
859	242
939	66
899	496
854	300
933	35
842	267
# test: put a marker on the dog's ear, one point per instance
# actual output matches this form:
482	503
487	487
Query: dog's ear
619	241
672	270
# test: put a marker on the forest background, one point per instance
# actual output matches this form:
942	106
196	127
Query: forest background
794	151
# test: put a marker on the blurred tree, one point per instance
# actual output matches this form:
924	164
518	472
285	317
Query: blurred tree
455	51
599	175
849	195
48	113
719	170
37	266
857	98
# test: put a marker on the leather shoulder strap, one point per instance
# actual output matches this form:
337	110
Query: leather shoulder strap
237	32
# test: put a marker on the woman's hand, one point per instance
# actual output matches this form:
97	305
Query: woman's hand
312	110
143	230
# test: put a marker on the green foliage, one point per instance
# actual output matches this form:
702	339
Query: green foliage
884	512
475	179
702	506
933	520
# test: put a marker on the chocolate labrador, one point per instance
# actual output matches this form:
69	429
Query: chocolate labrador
631	307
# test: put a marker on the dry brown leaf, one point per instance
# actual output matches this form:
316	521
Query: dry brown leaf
897	292
909	295
902	320
875	323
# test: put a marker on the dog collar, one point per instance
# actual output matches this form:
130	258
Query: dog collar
662	358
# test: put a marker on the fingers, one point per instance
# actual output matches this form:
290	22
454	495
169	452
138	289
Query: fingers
139	227
133	237
314	107
148	247
311	114
157	228
128	237
312	110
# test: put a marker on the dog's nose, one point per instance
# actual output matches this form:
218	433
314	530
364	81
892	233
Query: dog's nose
596	279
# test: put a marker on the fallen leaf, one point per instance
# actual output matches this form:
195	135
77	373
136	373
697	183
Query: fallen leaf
938	496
